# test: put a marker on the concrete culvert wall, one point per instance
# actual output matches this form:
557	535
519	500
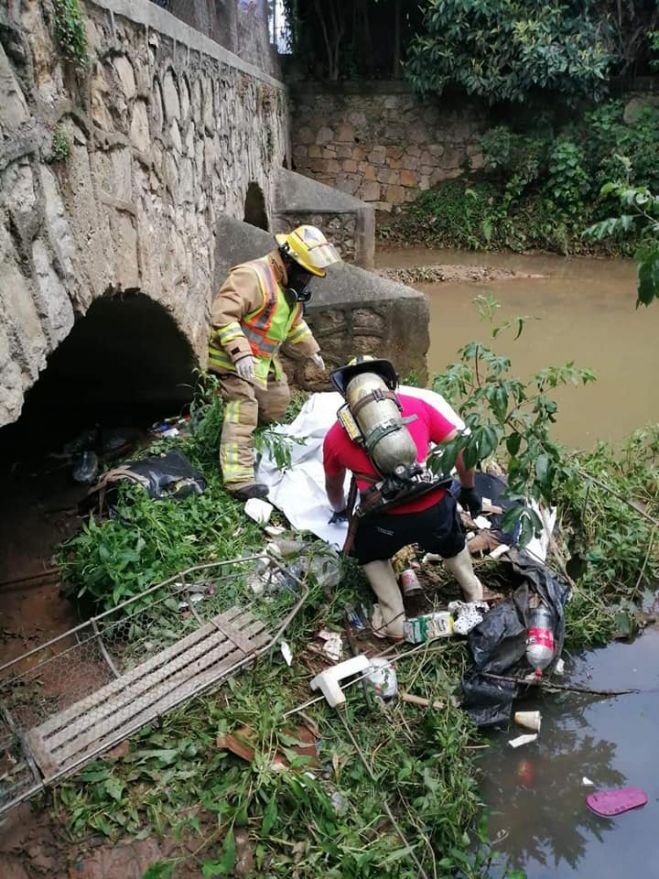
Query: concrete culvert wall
125	363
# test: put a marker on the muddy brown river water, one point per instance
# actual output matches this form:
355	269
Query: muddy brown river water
584	311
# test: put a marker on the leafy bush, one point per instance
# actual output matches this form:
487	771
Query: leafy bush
539	188
511	50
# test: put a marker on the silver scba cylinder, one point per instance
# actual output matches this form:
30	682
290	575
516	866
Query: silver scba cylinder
387	439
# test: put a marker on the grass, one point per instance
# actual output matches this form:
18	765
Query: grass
328	819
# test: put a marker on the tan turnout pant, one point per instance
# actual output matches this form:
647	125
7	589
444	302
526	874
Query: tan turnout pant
246	405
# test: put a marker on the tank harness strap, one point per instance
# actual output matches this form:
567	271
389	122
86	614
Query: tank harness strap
376	396
353	520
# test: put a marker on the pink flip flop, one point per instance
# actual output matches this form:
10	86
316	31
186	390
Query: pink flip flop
608	803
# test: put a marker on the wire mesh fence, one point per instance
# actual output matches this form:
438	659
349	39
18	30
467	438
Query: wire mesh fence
67	701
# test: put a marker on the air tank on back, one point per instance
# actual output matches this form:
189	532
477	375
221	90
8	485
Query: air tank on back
389	448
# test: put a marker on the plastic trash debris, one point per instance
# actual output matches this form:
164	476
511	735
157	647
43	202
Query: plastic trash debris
428	627
333	644
528	719
500	550
258	510
587	782
431	558
523	740
409	583
559	668
329	680
286	652
540	640
382	677
85	467
608	803
482	522
354	618
467	615
274	530
162	476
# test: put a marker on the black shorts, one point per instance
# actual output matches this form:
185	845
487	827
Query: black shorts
437	529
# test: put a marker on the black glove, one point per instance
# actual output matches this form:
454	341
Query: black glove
470	500
339	516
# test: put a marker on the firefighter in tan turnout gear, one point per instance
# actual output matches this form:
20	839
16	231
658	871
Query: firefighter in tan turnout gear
257	309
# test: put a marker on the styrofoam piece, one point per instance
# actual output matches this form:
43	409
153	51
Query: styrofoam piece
483	523
259	510
523	740
328	681
587	782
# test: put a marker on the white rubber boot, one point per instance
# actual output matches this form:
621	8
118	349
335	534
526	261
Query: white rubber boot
389	613
463	571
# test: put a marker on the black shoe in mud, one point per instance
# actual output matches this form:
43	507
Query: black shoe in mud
256	489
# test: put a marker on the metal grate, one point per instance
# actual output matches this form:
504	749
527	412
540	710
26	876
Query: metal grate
66	702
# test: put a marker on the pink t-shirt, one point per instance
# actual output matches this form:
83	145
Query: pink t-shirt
340	453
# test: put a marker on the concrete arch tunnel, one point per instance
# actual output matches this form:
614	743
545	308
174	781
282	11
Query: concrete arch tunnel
126	362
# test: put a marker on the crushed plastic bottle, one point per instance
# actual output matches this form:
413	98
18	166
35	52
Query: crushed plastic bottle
540	640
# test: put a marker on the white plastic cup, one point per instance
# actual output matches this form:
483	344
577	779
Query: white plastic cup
528	719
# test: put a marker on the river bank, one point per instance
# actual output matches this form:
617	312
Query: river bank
173	797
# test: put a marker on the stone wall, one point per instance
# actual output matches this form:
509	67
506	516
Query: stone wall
379	142
347	222
113	179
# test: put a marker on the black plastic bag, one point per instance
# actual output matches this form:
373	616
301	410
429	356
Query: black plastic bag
498	644
162	476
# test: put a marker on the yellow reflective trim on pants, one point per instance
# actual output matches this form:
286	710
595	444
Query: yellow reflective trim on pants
231	469
232	412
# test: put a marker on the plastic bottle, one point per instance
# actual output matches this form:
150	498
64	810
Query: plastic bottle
540	639
85	467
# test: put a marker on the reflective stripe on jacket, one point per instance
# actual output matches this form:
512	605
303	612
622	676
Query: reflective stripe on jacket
251	314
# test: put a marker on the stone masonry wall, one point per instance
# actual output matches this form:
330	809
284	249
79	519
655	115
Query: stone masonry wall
160	136
380	142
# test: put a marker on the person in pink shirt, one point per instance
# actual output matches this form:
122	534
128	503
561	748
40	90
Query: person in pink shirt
429	519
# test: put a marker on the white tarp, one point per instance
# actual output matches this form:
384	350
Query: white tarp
300	492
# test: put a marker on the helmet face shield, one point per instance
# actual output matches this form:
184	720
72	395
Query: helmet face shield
308	247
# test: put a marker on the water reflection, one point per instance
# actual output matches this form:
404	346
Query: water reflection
544	818
536	797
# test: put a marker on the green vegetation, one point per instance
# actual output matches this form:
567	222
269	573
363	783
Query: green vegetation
176	780
511	50
539	187
640	222
70	32
61	146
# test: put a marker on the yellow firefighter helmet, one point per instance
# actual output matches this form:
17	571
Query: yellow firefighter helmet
309	248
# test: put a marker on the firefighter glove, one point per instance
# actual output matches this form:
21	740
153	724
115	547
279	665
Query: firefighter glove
245	368
470	500
318	361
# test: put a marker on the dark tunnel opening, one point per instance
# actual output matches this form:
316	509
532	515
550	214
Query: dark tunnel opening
126	363
256	213
123	366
